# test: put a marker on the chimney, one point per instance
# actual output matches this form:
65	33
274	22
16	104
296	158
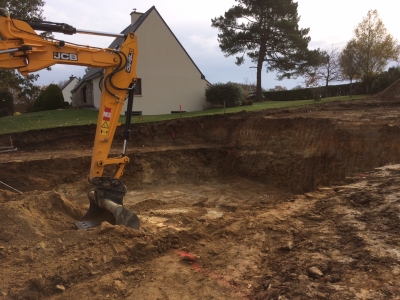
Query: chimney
71	77
135	16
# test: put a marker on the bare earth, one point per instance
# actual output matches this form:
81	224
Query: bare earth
299	204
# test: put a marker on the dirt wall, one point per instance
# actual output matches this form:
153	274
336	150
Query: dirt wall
287	149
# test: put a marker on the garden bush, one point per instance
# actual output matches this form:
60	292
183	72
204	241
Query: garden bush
6	103
230	93
49	99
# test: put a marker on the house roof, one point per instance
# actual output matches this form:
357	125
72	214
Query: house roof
94	72
68	82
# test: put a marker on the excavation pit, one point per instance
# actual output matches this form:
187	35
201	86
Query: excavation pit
292	204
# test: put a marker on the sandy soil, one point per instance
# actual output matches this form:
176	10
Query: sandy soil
293	204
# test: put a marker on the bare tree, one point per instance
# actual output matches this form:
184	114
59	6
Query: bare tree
61	83
328	69
248	86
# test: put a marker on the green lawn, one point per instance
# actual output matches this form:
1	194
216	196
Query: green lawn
72	117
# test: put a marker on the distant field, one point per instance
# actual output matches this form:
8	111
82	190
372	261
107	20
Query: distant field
73	117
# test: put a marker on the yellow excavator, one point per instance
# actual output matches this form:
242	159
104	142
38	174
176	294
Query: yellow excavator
23	49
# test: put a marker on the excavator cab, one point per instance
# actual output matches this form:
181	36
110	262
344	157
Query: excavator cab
21	48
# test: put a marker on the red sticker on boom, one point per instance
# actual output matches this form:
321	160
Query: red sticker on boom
107	114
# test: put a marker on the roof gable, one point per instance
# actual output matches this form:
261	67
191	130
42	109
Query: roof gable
68	82
131	28
166	25
94	72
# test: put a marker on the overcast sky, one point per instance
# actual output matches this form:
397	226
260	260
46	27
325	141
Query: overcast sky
330	23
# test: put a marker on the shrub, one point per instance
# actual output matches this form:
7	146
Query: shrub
230	93
49	99
4	112
6	102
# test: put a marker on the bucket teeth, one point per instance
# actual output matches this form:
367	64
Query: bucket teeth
94	217
106	206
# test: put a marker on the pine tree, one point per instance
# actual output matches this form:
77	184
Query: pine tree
267	31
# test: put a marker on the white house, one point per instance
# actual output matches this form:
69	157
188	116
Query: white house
68	87
168	79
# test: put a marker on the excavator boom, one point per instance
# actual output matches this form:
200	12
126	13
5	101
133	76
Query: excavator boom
22	49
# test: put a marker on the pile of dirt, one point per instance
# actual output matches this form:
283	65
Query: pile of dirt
391	93
29	215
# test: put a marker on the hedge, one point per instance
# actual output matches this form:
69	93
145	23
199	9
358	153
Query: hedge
310	93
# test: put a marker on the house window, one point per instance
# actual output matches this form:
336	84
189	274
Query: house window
138	88
135	113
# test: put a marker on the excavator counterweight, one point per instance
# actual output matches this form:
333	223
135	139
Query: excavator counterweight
22	49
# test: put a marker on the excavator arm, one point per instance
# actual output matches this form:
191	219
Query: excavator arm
22	49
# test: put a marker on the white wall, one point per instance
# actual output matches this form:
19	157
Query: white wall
96	92
67	90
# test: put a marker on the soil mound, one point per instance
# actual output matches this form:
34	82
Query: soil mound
34	215
391	93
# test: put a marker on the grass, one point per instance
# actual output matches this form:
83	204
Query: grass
73	117
47	119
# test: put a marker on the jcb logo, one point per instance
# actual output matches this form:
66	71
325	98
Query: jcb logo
65	56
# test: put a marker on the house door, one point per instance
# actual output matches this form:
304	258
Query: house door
84	94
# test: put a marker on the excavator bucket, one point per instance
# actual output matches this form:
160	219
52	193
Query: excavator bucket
113	213
106	206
